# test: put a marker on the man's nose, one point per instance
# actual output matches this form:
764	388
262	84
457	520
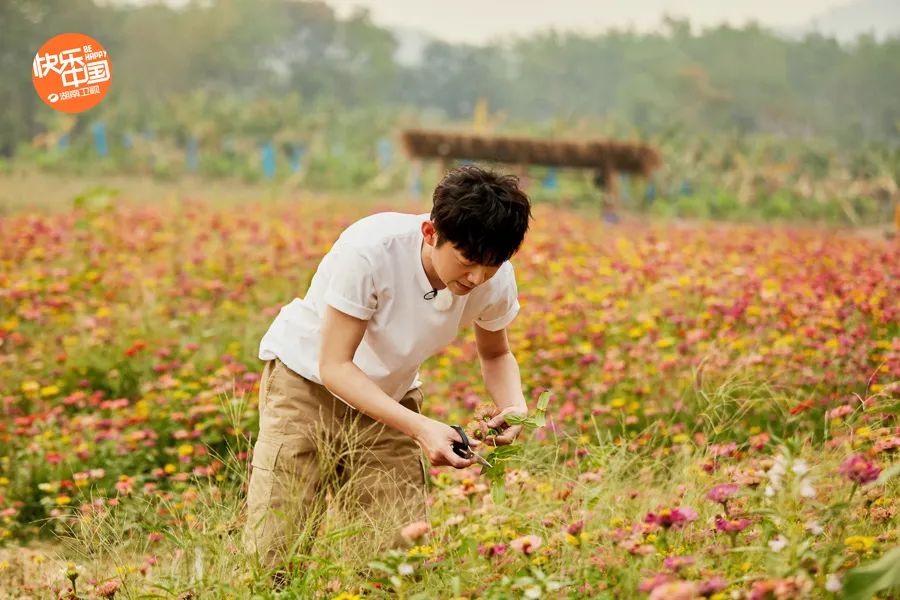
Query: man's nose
476	277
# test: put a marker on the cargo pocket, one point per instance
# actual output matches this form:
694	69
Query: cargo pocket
262	476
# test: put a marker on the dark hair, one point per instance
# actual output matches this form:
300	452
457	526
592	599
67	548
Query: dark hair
484	214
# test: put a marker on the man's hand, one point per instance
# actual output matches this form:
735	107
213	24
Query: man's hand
507	433
436	440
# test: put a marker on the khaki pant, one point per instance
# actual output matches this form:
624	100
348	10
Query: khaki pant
311	443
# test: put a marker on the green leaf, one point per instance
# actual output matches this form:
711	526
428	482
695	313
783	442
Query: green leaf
380	566
865	581
543	401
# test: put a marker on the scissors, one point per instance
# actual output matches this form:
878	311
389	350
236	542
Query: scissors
463	450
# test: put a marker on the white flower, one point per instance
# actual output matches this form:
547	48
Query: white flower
833	583
780	466
800	467
455	520
778	543
814	528
806	489
770	491
533	592
405	569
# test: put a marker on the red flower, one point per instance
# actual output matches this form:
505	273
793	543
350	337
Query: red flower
135	348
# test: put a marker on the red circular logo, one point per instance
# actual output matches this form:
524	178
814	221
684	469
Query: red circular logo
71	72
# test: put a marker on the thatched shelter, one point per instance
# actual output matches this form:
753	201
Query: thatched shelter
603	156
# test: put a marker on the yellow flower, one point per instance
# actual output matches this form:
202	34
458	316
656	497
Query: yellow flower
859	543
572	540
346	596
63	499
665	342
680	438
169	468
420	551
30	386
4	564
617	402
185	450
48	391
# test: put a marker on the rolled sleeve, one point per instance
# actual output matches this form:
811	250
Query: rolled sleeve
501	312
351	289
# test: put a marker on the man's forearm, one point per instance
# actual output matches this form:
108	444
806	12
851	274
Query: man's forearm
351	384
503	381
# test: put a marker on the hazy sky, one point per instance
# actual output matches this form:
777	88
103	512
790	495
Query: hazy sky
479	20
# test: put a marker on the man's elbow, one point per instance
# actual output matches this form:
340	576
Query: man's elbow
490	356
329	373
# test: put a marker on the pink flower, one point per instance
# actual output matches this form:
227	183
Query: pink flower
675	590
648	585
840	411
711	586
731	525
527	543
676	517
415	530
108	589
723	449
859	469
676	563
792	587
722	492
575	528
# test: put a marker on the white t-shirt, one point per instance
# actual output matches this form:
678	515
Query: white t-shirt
374	272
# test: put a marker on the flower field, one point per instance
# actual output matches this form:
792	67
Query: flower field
722	419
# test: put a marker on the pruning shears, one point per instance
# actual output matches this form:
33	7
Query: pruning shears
463	450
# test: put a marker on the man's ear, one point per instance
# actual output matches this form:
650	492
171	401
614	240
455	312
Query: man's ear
429	233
